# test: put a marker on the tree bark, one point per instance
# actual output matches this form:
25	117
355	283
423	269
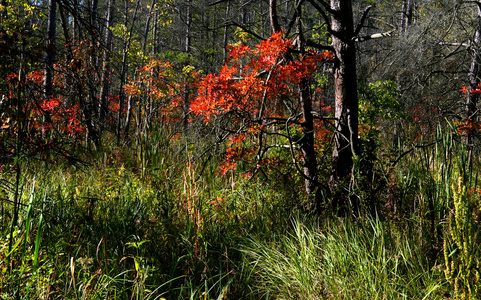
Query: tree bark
307	141
50	47
130	103
188	49
346	144
406	15
105	81
50	57
473	77
225	52
275	27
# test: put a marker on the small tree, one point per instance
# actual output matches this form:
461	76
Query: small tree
263	94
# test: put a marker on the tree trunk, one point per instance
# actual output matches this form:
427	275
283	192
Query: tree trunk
105	82
406	15
50	47
225	32
147	25
346	146
124	75
472	99
50	58
307	141
188	49
275	27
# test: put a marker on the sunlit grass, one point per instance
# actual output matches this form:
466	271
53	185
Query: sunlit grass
347	260
155	221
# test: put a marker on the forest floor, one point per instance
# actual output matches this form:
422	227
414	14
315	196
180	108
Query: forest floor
162	224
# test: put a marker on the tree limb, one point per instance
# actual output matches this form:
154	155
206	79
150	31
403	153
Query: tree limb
315	45
326	6
322	11
360	24
293	19
373	36
248	31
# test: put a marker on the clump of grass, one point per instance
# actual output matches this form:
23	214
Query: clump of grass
364	260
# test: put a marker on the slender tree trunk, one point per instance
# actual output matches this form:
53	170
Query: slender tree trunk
50	57
275	27
105	81
244	16
76	33
128	118
225	32
93	14
124	74
406	15
473	77
142	122
68	45
346	146
307	141
188	50
50	46
147	25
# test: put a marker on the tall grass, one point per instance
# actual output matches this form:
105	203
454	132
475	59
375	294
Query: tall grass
127	228
348	260
155	221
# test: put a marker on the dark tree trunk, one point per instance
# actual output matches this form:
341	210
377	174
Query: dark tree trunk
124	74
275	27
406	15
50	56
346	146
147	25
50	46
307	142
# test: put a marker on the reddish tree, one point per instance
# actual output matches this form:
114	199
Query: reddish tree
264	92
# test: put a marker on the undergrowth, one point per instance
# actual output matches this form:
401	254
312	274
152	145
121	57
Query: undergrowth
156	221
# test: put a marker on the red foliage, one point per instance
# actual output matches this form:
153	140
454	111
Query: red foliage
263	83
256	85
61	117
232	156
475	91
468	126
168	91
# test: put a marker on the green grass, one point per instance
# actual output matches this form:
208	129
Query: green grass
365	259
111	230
155	221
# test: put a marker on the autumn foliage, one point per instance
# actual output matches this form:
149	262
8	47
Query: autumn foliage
469	125
258	82
257	90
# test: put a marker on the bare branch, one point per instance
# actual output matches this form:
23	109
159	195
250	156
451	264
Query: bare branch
326	6
456	44
217	2
360	24
322	11
293	19
248	31
373	36
315	45
414	147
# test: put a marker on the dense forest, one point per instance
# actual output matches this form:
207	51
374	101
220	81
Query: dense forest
240	149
